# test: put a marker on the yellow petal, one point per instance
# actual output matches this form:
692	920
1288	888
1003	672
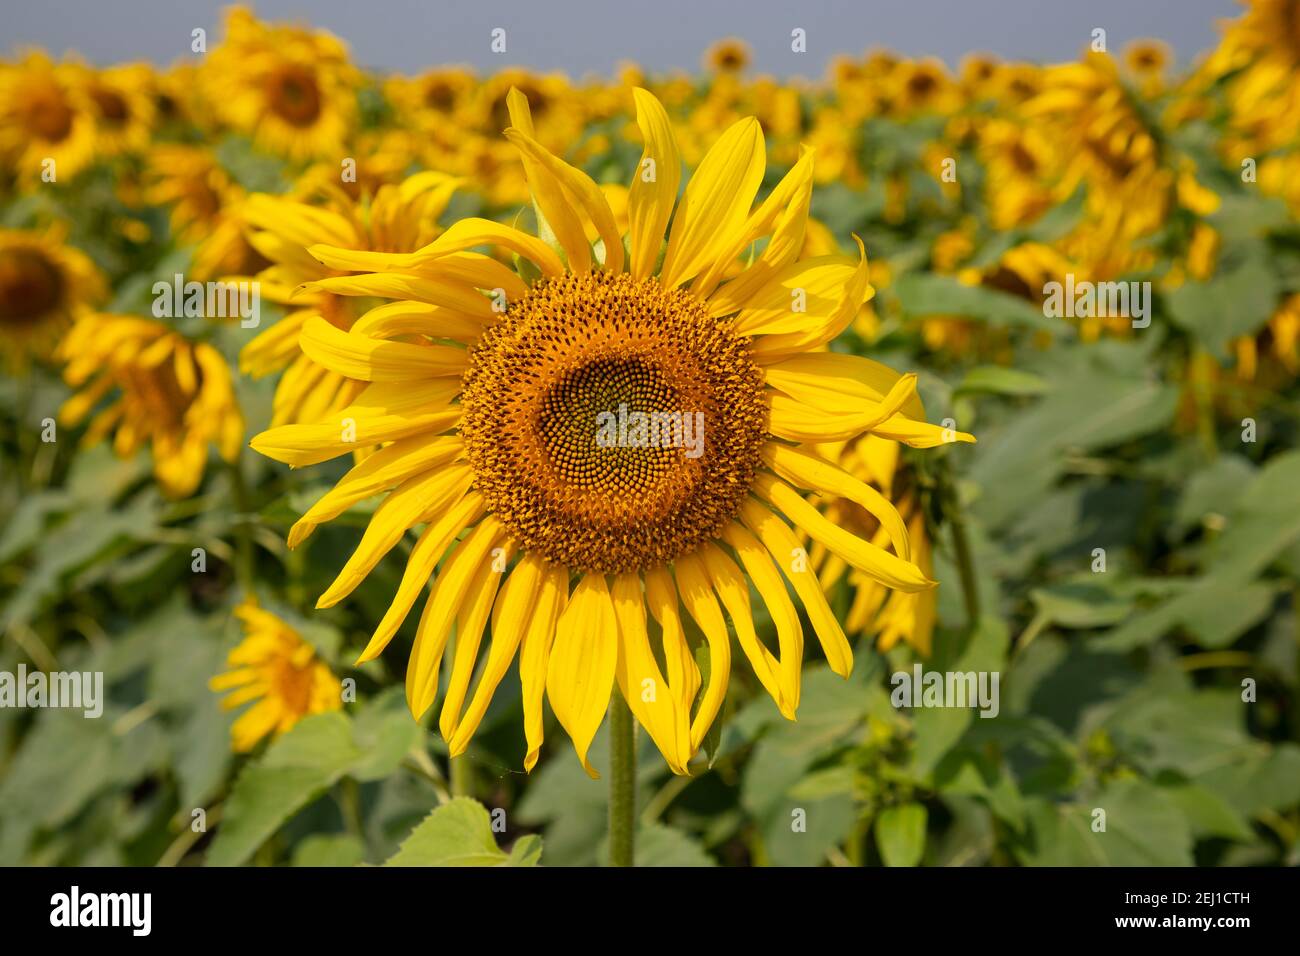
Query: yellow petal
580	673
767	581
392	519
516	610
375	360
697	595
784	213
654	185
450	293
535	656
424	557
384	412
445	600
806	470
470	622
683	673
809	377
793	561
889	569
800	297
583	189
419	318
641	682
731	586
715	205
385	469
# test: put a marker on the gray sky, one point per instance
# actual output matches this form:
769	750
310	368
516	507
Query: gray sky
585	36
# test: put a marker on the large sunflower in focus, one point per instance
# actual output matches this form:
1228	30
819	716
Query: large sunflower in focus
293	91
43	285
491	390
167	392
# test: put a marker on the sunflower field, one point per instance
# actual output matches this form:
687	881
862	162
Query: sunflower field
893	468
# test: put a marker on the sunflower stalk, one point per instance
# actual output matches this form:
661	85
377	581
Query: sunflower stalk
622	783
955	516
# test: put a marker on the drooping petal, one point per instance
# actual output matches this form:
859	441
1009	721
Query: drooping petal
793	561
535	656
445	600
391	520
425	555
697	595
887	568
642	683
580	672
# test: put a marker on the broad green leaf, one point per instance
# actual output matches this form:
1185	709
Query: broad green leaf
459	833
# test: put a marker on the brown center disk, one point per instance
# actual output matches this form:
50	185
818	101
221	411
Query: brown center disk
612	425
30	286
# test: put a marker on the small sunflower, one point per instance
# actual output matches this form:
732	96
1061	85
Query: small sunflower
292	90
399	218
44	116
171	394
728	56
44	284
279	670
488	388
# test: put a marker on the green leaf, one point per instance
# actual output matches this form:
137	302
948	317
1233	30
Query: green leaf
660	845
334	849
296	769
459	833
924	294
1236	302
900	834
996	380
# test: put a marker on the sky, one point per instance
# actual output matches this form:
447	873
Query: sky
581	37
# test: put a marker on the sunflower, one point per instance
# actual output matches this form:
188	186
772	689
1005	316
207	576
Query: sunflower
274	666
204	203
44	284
492	391
292	90
44	116
170	393
728	56
400	218
122	101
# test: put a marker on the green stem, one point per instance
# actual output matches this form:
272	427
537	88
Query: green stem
622	783
953	514
243	527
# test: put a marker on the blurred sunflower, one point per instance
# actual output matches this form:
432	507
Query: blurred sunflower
728	56
292	90
169	393
122	102
279	670
399	218
44	284
203	203
486	390
43	116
